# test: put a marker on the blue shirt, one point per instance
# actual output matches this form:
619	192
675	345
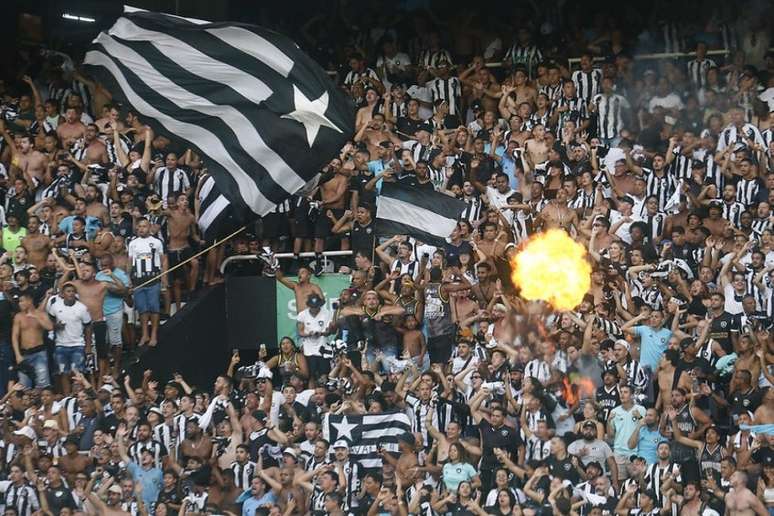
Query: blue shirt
92	225
113	303
653	343
648	444
252	503
625	423
150	479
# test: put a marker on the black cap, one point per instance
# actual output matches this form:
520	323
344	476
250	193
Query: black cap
476	105
594	464
635	457
626	198
590	424
314	301
610	370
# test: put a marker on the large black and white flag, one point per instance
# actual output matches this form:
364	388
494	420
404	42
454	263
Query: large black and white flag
262	114
364	433
426	215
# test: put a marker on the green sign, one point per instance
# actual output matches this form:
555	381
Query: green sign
330	284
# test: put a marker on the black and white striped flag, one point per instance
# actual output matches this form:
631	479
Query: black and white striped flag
364	433
426	215
261	113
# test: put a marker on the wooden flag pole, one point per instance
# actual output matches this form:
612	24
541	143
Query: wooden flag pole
213	246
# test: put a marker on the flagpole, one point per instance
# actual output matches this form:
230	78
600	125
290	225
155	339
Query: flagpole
213	246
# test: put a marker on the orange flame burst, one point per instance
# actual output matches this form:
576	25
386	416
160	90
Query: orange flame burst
552	267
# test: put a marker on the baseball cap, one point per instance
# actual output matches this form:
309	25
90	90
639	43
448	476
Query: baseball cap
590	424
314	301
107	388
26	431
341	443
115	489
290	451
264	372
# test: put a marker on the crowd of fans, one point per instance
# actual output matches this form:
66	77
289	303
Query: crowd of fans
652	396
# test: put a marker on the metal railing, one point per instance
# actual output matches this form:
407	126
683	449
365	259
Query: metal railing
248	257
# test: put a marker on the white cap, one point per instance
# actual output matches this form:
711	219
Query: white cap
107	388
290	451
264	372
27	432
50	423
622	342
341	443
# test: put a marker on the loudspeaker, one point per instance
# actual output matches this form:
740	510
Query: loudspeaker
251	311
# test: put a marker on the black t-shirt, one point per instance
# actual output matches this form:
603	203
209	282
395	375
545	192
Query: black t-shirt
168	497
721	328
357	184
563	468
764	456
123	227
362	238
58	498
504	437
747	401
6	320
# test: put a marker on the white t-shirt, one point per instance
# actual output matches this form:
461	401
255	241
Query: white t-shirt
277	399
319	323
496	198
74	317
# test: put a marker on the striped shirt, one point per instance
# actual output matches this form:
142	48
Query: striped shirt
431	58
552	91
610	114
145	254
587	83
577	112
472	211
23	498
243	474
731	136
680	167
168	183
449	90
528	57
157	449
661	186
352	77
732	212
747	191
656	474
697	72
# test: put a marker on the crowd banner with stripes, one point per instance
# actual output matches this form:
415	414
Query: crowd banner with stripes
424	214
262	114
365	433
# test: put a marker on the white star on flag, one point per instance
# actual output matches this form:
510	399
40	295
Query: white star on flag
310	114
344	429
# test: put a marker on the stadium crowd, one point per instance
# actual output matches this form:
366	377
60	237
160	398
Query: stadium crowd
652	396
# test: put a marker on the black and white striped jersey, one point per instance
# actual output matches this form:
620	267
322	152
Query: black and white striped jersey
656	474
732	136
714	172
747	191
449	90
168	183
158	450
610	108
732	212
680	167
661	186
145	254
243	474
697	72
431	58
656	224
528	57
577	112
352	76
672	38
552	91
587	84
473	209
23	498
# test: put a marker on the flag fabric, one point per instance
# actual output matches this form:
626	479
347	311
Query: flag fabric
262	114
364	433
672	205
426	215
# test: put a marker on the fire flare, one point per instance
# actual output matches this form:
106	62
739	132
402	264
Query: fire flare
552	267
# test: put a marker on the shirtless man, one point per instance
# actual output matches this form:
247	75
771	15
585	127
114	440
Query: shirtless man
333	193
102	242
181	226
31	162
29	327
303	288
94	205
524	92
36	243
365	113
741	501
373	133
536	149
556	214
71	129
91	293
96	150
490	248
